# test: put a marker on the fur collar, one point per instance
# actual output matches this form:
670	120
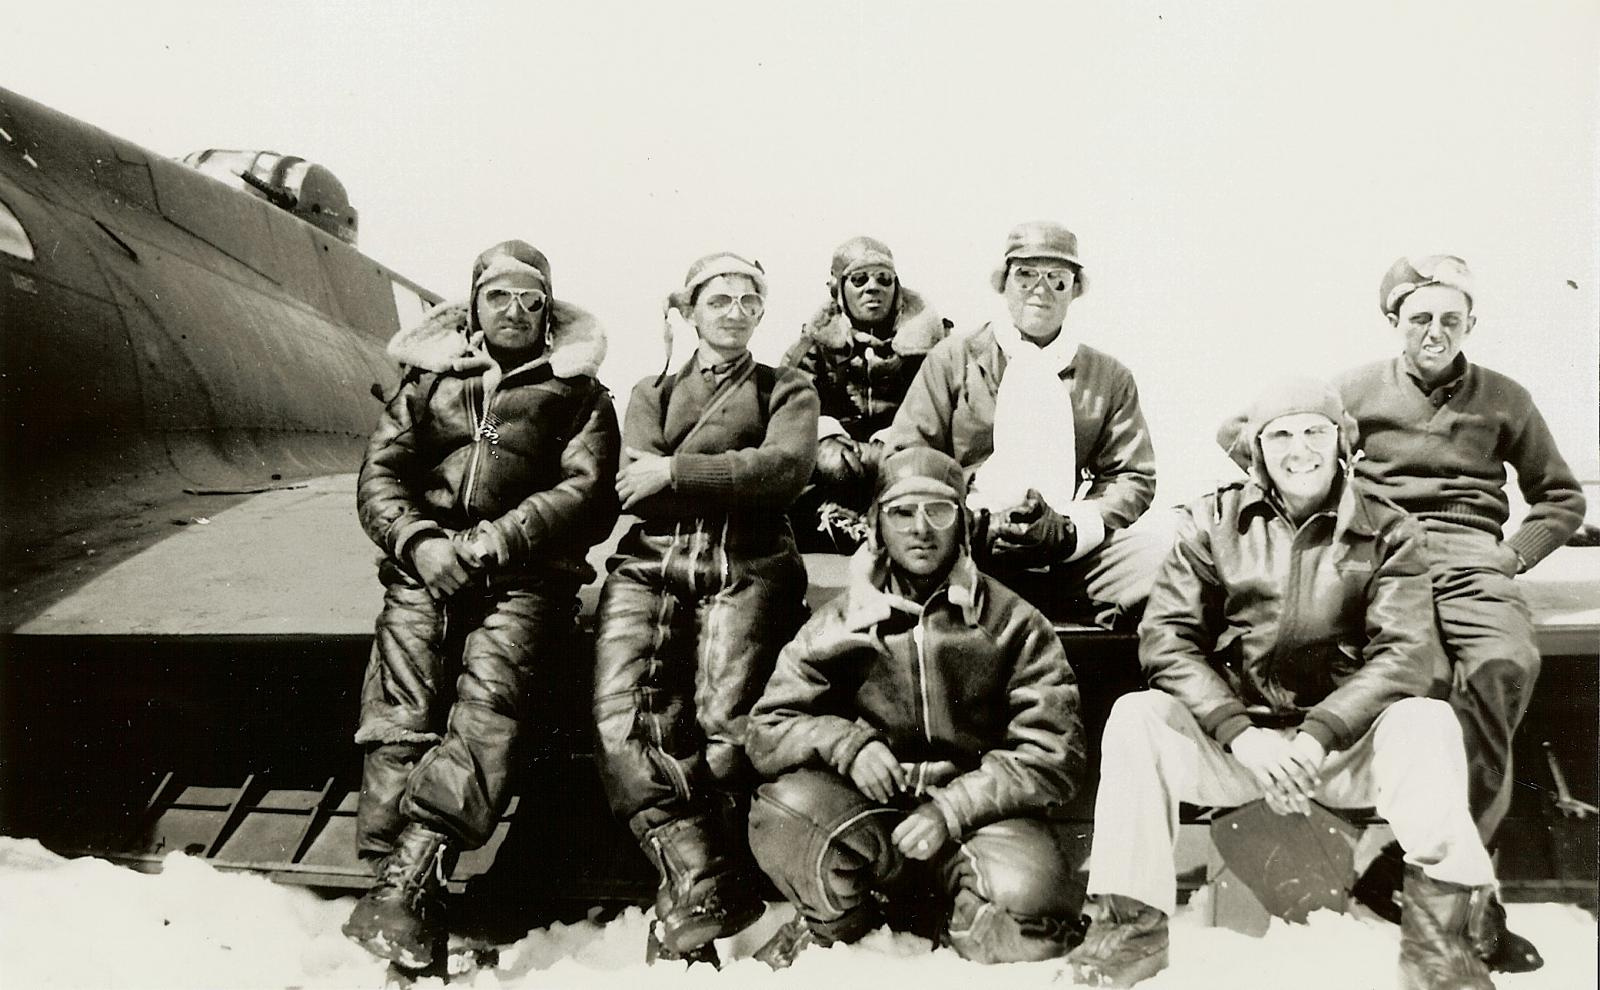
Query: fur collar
870	601
916	326
439	343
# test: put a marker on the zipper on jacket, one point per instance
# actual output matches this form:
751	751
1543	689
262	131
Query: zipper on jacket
483	430
922	679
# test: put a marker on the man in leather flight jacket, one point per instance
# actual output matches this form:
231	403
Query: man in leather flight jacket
1290	643
923	729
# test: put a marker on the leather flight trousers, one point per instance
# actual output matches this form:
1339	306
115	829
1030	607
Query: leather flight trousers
1008	889
446	695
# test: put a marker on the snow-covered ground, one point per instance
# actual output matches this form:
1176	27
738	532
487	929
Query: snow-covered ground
87	923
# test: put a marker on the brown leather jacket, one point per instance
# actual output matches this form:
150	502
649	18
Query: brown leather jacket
535	457
976	691
1253	620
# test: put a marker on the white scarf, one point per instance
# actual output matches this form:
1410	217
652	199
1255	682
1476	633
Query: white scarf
1035	442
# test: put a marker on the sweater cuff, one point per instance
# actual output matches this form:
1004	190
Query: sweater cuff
1326	728
1533	544
695	474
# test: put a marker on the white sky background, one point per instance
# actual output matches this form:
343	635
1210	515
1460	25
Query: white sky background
1240	174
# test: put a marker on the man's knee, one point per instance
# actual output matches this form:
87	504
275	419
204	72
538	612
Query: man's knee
1135	717
1016	897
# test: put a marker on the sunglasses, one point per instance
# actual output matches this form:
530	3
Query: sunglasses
751	304
860	279
939	514
531	300
1057	279
1318	438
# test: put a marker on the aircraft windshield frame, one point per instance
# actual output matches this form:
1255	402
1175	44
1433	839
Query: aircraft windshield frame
14	238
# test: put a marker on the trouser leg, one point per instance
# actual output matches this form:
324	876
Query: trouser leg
401	713
741	627
461	786
826	847
1488	634
1153	756
1122	570
1013	892
647	746
1411	767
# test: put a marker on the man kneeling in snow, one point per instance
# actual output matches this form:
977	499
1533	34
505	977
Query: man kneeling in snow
1289	638
486	482
922	728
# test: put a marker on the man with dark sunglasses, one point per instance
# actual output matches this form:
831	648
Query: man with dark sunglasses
920	734
1052	438
861	348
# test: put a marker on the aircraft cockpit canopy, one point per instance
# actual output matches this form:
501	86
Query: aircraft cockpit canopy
306	189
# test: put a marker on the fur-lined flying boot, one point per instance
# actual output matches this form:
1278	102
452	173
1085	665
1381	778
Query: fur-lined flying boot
1126	943
401	918
703	896
1435	952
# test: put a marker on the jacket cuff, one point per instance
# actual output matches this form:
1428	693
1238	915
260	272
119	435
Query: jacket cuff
701	473
952	822
1227	722
1326	728
850	747
405	541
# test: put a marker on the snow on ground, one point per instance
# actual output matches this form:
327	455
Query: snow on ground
88	923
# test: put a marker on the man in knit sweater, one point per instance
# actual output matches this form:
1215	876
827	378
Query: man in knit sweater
1051	436
1437	432
701	596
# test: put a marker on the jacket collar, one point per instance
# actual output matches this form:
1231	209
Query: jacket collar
871	599
917	327
1352	513
440	343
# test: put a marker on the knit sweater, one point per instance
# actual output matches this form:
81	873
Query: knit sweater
1441	455
727	458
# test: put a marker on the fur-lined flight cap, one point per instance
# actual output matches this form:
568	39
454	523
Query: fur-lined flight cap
858	253
1241	436
702	271
920	471
1409	274
1045	240
505	258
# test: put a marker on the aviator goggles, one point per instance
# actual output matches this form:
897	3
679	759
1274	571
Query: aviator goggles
860	279
531	300
1320	439
1056	279
751	304
939	513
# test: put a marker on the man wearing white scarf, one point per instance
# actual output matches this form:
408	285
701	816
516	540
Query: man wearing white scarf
1050	433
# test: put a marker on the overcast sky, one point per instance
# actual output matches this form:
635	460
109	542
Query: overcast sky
1240	174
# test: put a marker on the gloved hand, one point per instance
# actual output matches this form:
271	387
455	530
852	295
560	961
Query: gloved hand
1032	534
839	459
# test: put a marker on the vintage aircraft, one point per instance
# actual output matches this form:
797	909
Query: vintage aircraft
191	354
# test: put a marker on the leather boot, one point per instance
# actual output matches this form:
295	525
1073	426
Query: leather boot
786	943
401	918
1500	948
703	895
1125	944
1435	952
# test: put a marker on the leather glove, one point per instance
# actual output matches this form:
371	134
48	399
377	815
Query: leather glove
839	460
1032	534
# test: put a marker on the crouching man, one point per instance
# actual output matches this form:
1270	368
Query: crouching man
922	728
488	478
1289	639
